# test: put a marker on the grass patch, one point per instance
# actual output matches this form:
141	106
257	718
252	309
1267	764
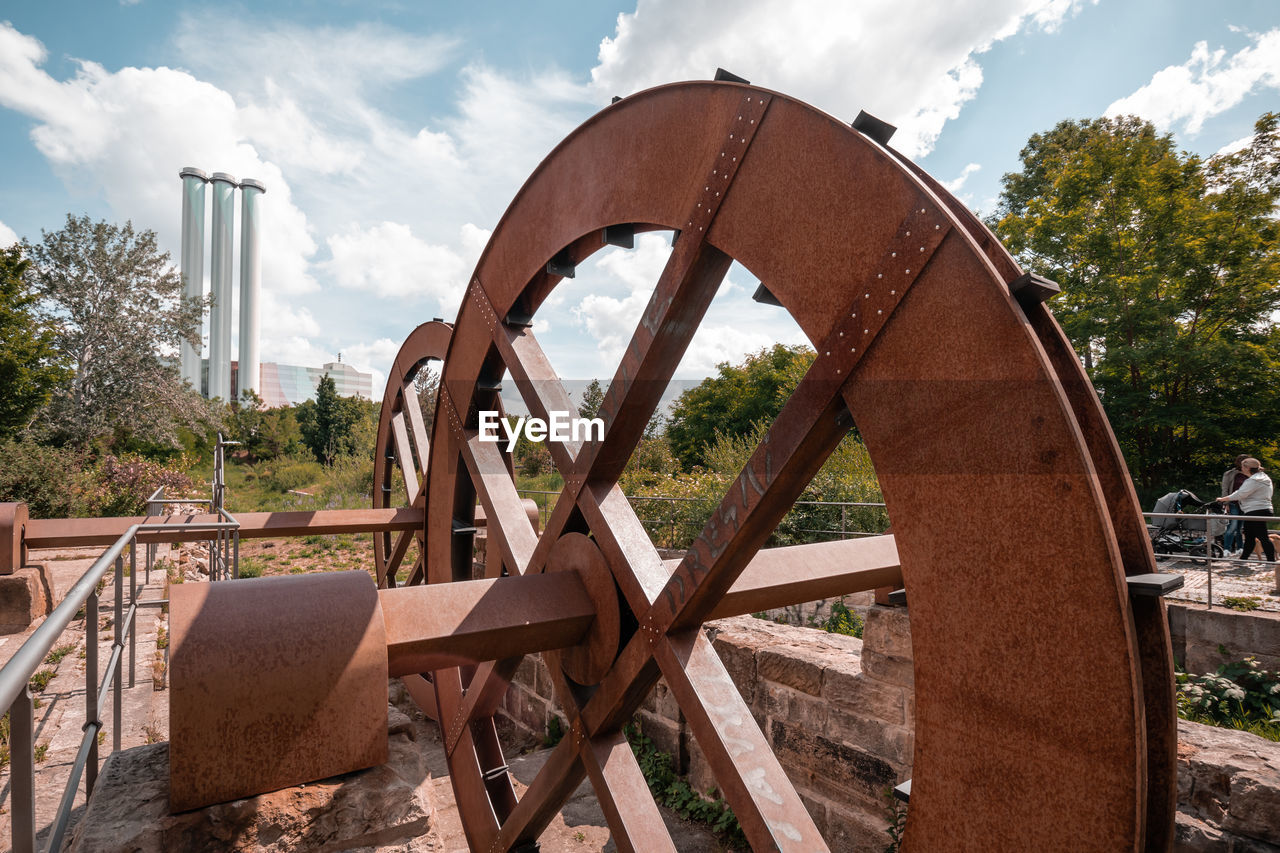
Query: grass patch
58	653
41	680
251	567
1243	603
39	753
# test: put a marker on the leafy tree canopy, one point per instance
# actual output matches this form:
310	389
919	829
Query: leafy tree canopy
30	366
114	302
1168	265
734	400
333	426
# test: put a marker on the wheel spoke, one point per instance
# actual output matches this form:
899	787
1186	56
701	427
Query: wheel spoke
404	457
767	806
684	292
505	519
418	431
624	795
555	782
392	566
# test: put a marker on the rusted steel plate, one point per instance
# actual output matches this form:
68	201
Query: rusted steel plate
77	532
964	412
13	524
274	681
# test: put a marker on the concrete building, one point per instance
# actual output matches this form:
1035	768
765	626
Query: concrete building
290	384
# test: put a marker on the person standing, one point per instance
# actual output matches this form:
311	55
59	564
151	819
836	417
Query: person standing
1232	479
1254	496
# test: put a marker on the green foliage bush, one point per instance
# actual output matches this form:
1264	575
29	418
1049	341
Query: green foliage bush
60	482
842	621
1240	695
122	484
670	790
51	480
294	474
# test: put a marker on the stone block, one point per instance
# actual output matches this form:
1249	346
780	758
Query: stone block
888	631
698	774
890	743
1192	835
835	770
867	696
794	707
889	669
26	596
855	830
1204	635
791	665
740	660
667	736
662	703
1255	807
817	808
526	673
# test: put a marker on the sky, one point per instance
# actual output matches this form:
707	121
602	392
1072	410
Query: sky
392	135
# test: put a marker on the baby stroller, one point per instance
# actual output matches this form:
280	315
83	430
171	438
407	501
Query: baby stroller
1191	536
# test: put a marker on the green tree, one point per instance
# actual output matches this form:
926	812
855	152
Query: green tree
734	400
1168	265
30	366
116	306
333	426
592	399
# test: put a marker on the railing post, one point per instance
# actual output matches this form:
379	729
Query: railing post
22	775
91	688
133	602
117	642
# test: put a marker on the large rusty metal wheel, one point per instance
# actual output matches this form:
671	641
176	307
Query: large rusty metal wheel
403	446
1044	695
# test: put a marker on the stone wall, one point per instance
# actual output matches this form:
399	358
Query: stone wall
837	711
1200	636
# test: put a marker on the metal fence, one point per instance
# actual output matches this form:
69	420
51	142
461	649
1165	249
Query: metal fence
1206	557
15	680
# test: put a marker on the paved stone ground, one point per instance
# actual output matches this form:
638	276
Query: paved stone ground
1230	578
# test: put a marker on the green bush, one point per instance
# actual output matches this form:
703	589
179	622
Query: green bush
1240	695
842	621
290	474
122	484
51	480
353	475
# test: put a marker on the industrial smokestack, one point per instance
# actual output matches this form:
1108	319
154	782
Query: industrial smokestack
224	187
250	283
193	181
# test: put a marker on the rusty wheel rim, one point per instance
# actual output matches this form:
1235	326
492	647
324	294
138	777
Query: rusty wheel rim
403	445
902	310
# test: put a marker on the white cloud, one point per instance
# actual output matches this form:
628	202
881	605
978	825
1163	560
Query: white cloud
957	182
1207	84
7	236
125	135
910	63
388	261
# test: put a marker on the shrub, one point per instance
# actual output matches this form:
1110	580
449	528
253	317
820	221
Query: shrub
294	474
1239	693
51	480
353	475
842	621
122	484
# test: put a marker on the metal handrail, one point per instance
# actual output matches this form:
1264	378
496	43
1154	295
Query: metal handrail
15	680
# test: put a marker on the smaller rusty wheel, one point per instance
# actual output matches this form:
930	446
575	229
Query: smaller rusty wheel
403	445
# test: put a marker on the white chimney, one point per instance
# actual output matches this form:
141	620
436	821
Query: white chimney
250	284
220	274
193	181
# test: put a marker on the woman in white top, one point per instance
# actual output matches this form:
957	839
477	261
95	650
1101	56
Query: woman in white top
1254	496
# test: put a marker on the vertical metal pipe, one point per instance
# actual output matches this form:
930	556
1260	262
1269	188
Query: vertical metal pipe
133	603
220	274
250	284
91	688
117	642
22	775
193	182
